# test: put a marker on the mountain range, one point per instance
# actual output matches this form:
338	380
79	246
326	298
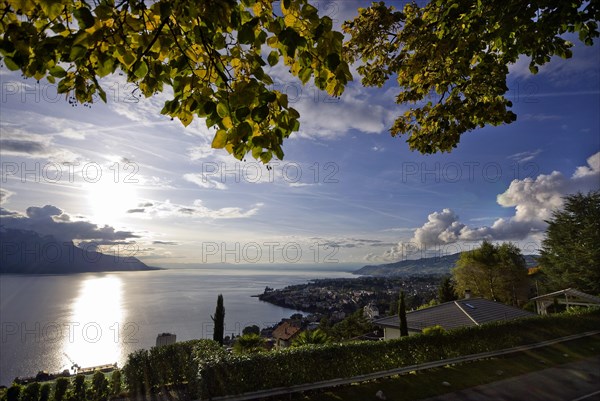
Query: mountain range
28	252
439	265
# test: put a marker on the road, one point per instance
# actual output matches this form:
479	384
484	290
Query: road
576	381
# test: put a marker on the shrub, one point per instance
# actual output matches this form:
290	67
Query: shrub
434	330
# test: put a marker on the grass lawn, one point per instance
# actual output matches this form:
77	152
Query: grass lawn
418	385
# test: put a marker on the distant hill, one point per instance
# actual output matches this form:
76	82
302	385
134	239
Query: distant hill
438	265
27	252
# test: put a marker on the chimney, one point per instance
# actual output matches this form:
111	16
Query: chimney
467	294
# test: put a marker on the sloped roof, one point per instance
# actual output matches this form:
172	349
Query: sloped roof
571	292
285	331
455	314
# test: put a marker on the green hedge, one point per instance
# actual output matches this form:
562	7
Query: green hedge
203	369
235	374
168	366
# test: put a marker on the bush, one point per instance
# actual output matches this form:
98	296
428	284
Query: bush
434	330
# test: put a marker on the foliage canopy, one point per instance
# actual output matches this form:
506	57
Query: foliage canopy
496	272
450	58
209	52
570	255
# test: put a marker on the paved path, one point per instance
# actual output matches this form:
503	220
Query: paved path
576	381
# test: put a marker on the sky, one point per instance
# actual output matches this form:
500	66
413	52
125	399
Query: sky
122	178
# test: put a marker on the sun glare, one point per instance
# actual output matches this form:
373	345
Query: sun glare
110	201
95	322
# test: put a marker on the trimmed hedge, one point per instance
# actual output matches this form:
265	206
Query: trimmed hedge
168	366
237	374
203	369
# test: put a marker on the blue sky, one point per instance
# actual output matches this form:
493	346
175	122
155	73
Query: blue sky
346	192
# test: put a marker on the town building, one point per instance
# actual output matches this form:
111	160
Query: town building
165	339
452	315
371	311
285	333
569	297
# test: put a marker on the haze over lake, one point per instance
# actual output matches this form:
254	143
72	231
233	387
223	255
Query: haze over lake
94	319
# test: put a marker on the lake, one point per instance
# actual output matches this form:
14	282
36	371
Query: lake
50	322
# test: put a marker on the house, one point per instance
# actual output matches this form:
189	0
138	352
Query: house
568	297
285	333
371	311
452	315
165	339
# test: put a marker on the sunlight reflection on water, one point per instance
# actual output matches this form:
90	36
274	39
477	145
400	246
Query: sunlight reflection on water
96	321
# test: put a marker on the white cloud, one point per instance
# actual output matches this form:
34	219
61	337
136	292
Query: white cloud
158	209
523	157
204	181
534	200
4	195
17	142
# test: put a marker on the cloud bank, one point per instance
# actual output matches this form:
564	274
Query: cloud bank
534	201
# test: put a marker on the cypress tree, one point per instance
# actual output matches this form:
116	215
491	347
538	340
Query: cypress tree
402	316
219	321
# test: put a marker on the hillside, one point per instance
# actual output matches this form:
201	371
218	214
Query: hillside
27	252
439	265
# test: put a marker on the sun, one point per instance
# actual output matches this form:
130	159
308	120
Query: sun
109	200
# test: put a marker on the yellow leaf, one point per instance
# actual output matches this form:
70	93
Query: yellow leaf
185	118
220	140
227	122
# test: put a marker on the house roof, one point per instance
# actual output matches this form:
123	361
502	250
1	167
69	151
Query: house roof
455	314
285	331
572	293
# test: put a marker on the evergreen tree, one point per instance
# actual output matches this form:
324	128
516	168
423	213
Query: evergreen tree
254	329
219	320
352	326
100	388
60	388
446	291
13	393
31	392
115	383
570	255
79	388
402	316
45	391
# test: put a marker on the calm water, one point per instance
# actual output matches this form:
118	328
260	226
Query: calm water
93	319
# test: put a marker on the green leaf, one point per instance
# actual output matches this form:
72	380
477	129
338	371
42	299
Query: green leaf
273	58
246	33
332	61
10	64
84	17
57	71
141	69
220	139
222	110
242	113
260	113
77	52
106	66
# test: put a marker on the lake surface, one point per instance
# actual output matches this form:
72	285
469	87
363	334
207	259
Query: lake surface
49	322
